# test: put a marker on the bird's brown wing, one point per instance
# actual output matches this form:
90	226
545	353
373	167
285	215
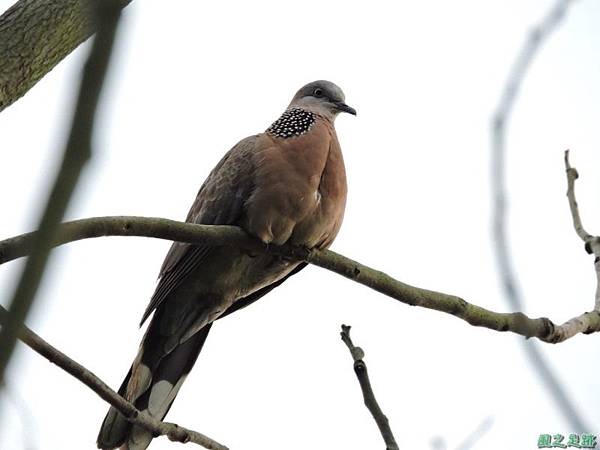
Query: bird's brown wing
220	201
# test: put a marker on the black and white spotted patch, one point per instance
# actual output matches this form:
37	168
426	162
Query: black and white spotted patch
292	123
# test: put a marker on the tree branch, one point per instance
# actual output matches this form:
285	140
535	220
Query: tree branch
173	431
360	369
501	242
172	230
77	152
592	244
541	328
473	438
35	35
572	175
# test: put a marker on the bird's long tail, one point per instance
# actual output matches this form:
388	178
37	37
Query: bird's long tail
151	384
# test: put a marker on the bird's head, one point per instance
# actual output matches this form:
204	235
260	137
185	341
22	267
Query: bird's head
322	97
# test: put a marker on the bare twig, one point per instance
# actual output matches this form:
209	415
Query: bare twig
592	243
439	443
541	328
572	175
360	369
77	152
506	269
173	431
473	438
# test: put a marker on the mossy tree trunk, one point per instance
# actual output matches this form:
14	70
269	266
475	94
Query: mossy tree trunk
35	35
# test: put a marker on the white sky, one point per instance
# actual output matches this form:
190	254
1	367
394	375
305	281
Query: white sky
188	81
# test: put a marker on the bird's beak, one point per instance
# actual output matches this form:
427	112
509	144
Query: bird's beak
342	107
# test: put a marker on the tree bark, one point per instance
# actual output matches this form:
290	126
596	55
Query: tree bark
35	35
541	328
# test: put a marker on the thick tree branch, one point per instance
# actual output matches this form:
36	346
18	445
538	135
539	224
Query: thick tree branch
173	431
537	37
35	35
360	369
77	152
541	328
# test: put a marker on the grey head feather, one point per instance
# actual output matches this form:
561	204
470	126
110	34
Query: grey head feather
322	97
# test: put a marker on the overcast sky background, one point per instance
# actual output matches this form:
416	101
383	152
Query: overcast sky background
188	80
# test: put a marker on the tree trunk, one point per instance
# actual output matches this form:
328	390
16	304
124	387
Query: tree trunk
35	35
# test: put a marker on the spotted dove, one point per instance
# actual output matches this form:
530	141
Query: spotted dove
286	185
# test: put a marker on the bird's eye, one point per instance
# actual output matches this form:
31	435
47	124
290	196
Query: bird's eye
318	92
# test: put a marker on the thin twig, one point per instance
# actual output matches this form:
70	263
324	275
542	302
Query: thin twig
360	369
475	436
592	243
508	275
517	322
572	175
173	431
77	152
